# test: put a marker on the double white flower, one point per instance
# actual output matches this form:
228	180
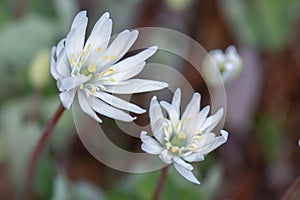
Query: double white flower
179	140
91	69
228	63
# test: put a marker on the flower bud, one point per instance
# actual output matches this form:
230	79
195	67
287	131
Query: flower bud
229	65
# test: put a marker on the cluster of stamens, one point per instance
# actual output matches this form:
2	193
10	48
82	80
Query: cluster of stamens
178	141
96	78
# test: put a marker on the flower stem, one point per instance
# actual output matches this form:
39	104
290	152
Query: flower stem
37	151
160	183
294	191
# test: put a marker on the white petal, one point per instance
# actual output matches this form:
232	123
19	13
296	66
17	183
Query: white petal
202	116
187	174
67	98
85	106
99	38
193	107
213	144
119	47
150	145
129	73
62	64
171	110
176	100
212	121
194	157
109	111
135	60
75	38
157	130
71	82
60	46
155	112
181	162
119	103
136	86
53	71
166	157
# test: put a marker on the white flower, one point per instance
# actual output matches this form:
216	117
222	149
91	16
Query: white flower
179	140
229	64
91	69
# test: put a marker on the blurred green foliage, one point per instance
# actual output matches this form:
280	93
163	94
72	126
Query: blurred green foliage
265	24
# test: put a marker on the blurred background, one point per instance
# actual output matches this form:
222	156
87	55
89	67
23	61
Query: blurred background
260	159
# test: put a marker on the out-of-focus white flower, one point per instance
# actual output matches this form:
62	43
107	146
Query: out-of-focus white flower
179	140
229	64
91	69
299	142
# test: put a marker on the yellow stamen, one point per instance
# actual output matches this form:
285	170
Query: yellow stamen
174	149
110	71
199	132
180	150
74	55
168	145
105	57
88	48
103	87
113	57
181	135
93	90
178	126
81	87
192	148
92	68
98	50
72	61
111	79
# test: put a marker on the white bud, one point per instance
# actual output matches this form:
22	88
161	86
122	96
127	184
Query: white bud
225	65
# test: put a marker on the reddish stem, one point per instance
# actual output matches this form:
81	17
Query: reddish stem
293	192
37	151
160	183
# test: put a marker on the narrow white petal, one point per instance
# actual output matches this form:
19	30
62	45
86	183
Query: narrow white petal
67	98
136	86
150	145
53	71
194	157
157	130
212	121
193	107
119	103
156	120
135	60
213	144
176	100
60	46
129	73
187	174
119	47
100	35
181	162
62	64
166	157
155	112
71	82
85	106
202	116
109	111
171	110
75	38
